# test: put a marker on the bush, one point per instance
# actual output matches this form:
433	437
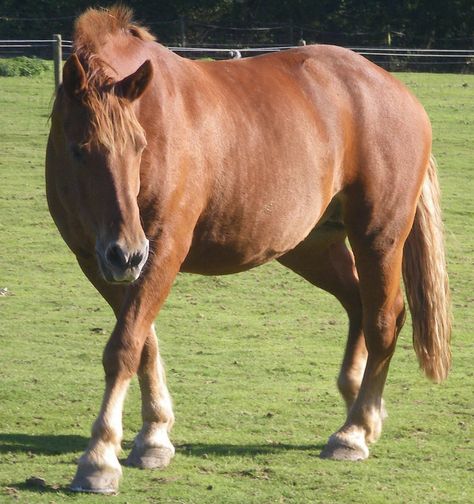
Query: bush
22	67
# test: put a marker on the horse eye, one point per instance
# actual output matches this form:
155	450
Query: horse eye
77	152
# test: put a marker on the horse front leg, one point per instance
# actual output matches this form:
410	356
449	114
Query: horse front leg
152	448
99	470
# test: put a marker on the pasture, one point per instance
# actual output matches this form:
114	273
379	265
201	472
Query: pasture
251	359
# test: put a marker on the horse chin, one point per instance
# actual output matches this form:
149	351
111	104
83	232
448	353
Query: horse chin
123	280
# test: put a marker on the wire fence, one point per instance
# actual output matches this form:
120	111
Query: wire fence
392	59
233	30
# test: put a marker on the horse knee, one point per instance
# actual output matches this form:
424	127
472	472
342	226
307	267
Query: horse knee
121	358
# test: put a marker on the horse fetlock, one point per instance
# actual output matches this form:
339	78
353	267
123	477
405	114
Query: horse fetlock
106	435
373	422
158	414
98	472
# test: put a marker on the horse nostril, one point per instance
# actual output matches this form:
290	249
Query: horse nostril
136	259
116	257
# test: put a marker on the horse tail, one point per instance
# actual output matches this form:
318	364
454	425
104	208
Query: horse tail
426	282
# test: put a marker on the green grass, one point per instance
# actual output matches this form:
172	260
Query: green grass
251	358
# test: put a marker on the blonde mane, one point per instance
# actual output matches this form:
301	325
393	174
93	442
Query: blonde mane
113	123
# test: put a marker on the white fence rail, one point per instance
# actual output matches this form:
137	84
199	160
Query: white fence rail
56	48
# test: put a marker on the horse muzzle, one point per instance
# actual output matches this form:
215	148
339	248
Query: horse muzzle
121	264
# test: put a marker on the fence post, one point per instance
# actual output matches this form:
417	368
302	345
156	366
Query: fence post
58	60
291	33
182	28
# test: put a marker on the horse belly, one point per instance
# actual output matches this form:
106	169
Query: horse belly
255	233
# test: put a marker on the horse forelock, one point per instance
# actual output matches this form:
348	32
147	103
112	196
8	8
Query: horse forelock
113	123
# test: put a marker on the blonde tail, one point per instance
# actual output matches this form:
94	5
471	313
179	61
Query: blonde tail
426	282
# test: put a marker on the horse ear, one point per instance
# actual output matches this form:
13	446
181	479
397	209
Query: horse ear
74	77
133	86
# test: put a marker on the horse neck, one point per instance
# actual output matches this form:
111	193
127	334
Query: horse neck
124	54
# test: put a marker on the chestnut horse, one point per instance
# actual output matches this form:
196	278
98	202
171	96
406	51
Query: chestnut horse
157	164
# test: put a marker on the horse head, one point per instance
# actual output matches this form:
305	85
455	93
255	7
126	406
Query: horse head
102	145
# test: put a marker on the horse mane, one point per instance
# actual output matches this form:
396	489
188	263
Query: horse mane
94	26
112	120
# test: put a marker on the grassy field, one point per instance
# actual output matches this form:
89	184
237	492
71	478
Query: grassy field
251	358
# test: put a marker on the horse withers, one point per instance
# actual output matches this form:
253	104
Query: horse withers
157	164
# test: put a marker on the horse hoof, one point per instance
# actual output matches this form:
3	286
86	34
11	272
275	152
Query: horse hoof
155	457
344	449
90	479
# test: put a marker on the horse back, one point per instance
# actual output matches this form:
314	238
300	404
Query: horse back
278	137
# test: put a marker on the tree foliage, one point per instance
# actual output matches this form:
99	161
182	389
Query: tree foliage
420	23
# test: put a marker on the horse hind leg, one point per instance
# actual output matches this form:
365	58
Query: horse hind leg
377	239
325	261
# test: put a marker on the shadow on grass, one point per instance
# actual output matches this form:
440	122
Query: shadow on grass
15	489
62	444
226	450
42	444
